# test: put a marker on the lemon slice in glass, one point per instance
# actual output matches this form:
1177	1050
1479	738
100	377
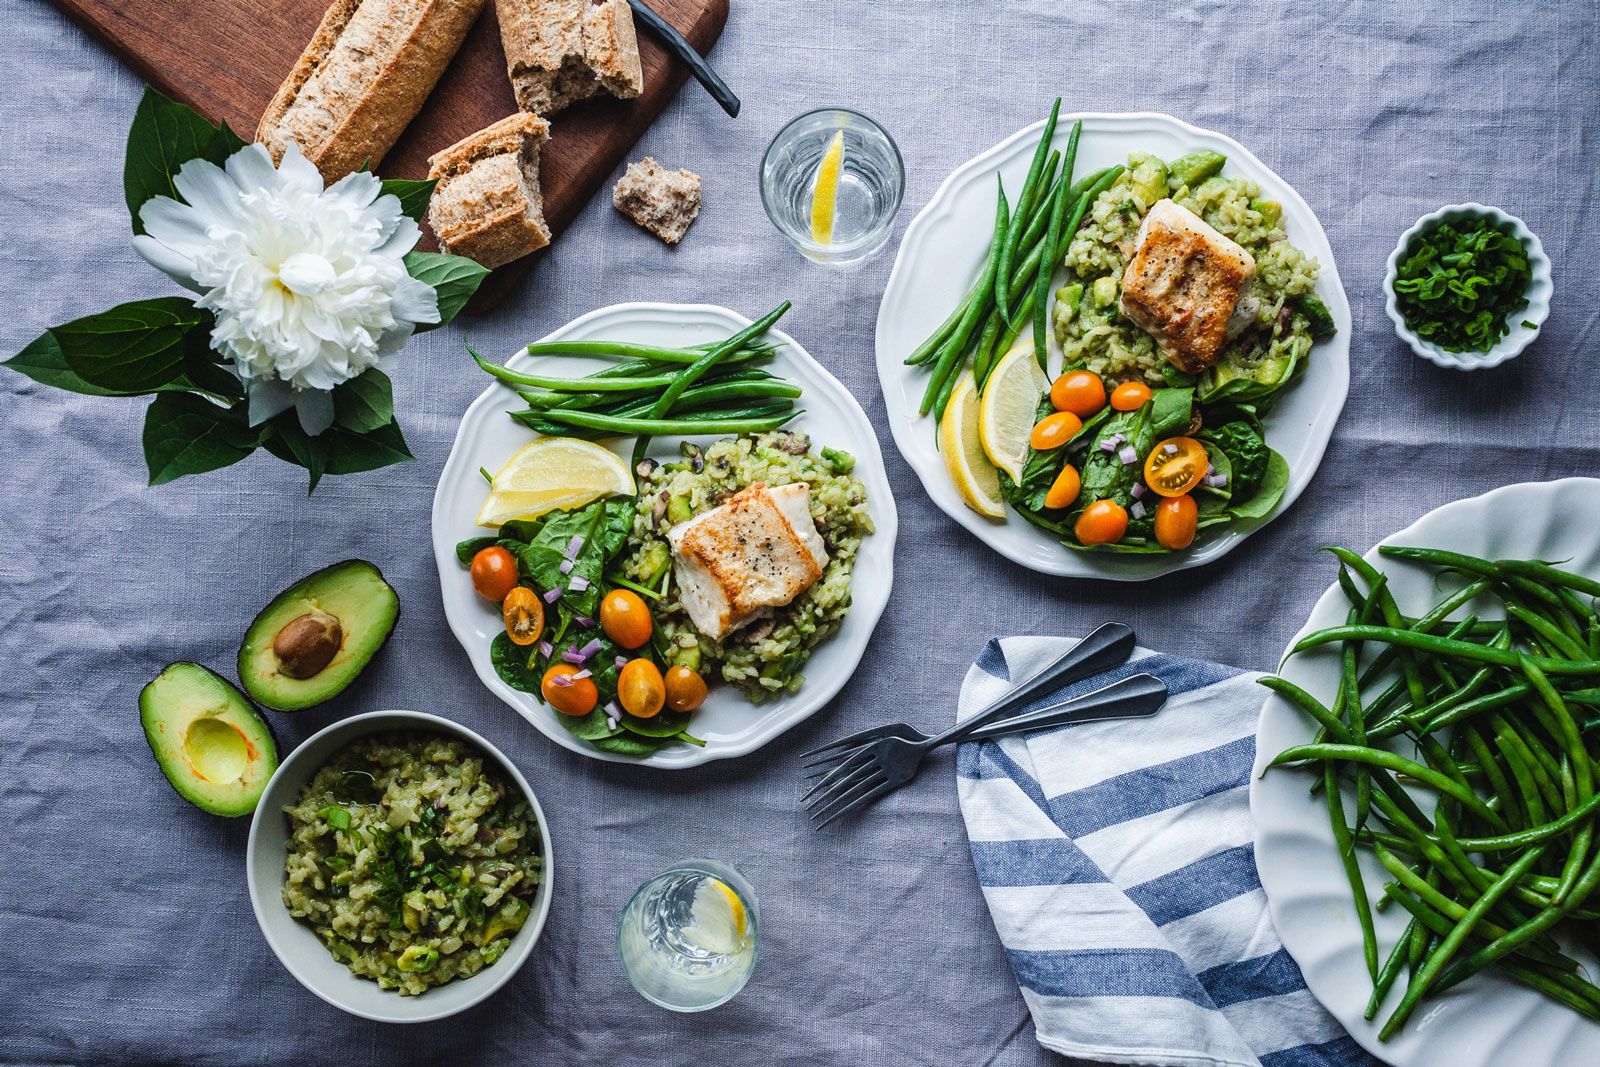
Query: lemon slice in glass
826	191
1009	406
974	476
551	473
717	920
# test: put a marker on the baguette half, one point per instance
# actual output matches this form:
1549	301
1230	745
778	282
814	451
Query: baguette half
362	78
487	205
561	51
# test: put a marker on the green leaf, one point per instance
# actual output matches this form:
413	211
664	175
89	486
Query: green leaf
285	439
187	434
666	723
511	664
43	362
626	744
414	195
226	144
350	452
364	404
165	136
1170	411
203	370
469	548
1273	486
133	348
454	278
591	727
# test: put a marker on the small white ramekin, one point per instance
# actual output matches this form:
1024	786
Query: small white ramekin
1519	336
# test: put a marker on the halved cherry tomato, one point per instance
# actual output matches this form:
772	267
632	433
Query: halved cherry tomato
1080	392
523	613
1102	523
1130	396
577	697
624	618
640	688
1176	466
494	573
1175	522
1053	431
1064	490
686	690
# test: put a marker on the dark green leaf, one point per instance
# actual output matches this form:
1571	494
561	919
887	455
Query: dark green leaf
465	550
666	723
364	404
591	727
1170	410
133	348
187	434
203	370
510	662
626	744
414	195
226	144
43	362
165	136
454	278
1247	455
1273	486
350	452
286	439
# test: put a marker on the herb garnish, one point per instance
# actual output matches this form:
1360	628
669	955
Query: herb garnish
1460	282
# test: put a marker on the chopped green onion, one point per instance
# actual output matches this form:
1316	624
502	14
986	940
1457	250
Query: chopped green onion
336	817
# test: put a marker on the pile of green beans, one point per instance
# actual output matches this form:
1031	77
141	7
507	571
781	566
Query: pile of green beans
1011	293
1499	715
656	391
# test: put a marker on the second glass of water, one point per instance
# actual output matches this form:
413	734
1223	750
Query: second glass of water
687	939
870	182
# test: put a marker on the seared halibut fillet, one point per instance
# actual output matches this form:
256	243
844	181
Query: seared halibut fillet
737	562
1183	284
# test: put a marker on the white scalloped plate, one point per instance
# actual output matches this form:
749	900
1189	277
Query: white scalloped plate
730	724
1487	1020
942	252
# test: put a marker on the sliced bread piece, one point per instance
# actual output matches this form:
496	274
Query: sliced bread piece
487	205
562	51
662	201
364	75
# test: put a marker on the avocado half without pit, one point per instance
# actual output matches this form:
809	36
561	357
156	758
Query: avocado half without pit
211	743
316	636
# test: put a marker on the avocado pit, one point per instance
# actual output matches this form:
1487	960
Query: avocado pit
307	644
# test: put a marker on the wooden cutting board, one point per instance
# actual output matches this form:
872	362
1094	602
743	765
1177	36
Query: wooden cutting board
226	59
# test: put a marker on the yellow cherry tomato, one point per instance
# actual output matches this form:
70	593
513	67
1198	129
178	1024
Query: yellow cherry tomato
1102	523
686	690
523	613
1053	431
624	618
1175	522
1176	466
640	688
1064	490
577	696
1080	392
1130	396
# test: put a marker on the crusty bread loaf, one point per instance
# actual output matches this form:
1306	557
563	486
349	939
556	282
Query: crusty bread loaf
364	76
662	201
562	51
487	205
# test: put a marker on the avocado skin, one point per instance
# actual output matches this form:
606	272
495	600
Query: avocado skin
362	637
157	707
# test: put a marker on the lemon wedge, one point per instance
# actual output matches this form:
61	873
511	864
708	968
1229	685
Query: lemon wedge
974	476
551	473
717	919
1010	403
826	191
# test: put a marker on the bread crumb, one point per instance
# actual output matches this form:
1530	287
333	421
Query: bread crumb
664	202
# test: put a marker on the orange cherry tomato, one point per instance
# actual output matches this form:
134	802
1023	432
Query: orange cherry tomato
1176	466
523	613
577	697
686	690
1130	396
1080	392
1055	430
1064	490
1102	523
1175	521
494	573
624	618
640	688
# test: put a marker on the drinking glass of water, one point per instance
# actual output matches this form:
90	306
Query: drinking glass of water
687	939
831	182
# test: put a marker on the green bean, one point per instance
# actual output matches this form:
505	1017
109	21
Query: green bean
1439	913
933	342
1389	971
1556	990
1498	782
625	349
1391	615
945	363
1041	293
664	427
1464	650
1014	230
1352	870
1391	761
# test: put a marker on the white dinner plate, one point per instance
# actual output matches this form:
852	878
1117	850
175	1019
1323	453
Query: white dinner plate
1487	1020
943	251
729	724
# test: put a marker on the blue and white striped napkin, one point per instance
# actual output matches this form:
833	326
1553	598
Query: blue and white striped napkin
1119	865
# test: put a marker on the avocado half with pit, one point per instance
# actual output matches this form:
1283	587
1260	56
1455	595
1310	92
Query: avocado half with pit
211	743
317	635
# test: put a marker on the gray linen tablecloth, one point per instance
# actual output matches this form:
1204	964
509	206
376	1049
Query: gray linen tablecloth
125	932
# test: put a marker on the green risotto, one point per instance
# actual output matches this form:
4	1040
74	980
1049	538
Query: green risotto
414	864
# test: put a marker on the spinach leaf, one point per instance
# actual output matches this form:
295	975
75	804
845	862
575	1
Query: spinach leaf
1170	411
1247	454
591	727
1210	500
626	744
1273	485
524	530
465	550
1105	476
511	664
665	723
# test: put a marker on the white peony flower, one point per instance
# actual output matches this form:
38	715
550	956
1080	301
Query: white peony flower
307	284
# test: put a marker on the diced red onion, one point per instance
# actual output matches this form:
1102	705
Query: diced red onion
546	649
1211	469
574	546
1170	449
584	622
1137	491
560	681
552	595
1137	511
1108	445
622	661
578	584
585	673
572	655
566	566
612	709
590	649
1128	455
